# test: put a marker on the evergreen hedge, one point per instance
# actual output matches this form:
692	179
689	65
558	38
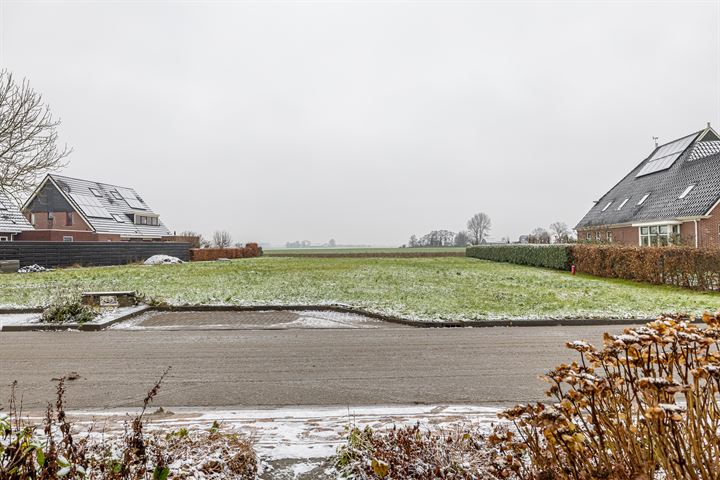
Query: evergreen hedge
558	256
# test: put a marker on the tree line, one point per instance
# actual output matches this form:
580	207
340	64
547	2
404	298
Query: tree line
478	227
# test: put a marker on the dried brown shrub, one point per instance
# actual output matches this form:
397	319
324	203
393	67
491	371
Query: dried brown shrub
646	404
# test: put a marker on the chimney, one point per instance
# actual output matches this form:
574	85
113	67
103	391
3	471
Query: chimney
708	124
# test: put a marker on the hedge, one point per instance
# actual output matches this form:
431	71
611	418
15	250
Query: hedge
204	254
672	265
548	256
681	266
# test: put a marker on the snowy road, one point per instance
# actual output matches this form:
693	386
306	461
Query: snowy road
233	368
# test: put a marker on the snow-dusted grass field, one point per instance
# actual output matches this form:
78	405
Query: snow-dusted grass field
421	288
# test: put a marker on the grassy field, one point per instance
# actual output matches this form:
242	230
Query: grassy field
421	288
359	250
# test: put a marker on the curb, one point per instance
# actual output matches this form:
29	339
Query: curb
83	327
522	322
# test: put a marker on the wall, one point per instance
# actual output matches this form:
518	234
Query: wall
65	254
42	221
708	230
57	236
621	235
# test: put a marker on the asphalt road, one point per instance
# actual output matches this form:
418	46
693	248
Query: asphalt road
228	368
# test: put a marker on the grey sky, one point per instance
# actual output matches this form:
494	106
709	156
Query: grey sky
366	121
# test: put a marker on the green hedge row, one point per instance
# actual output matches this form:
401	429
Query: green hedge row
548	256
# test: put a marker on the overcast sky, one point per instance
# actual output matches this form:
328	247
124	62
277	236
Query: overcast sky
367	121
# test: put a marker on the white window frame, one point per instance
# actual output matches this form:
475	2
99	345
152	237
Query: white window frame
623	203
598	236
657	235
4	238
96	192
68	238
588	236
609	236
642	200
607	206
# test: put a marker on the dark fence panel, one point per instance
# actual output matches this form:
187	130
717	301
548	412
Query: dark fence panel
65	254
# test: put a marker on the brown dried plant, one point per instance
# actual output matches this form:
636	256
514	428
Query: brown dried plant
642	407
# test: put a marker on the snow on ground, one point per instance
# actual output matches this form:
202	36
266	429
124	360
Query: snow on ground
18	319
34	318
161	260
291	441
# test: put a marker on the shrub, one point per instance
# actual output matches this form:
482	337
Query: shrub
204	254
548	256
412	454
672	265
68	312
644	406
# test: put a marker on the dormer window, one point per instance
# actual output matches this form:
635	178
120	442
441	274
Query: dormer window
607	206
686	191
146	220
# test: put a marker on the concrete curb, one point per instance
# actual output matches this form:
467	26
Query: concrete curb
84	327
526	322
522	322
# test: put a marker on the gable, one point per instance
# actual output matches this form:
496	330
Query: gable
49	199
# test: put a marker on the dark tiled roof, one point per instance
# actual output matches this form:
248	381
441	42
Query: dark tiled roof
699	165
74	186
11	220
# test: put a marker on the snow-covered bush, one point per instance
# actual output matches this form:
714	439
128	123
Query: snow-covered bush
68	312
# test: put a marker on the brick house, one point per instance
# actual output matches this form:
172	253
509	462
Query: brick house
12	221
670	197
69	209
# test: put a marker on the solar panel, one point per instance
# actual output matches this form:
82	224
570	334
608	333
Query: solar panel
91	206
665	156
131	199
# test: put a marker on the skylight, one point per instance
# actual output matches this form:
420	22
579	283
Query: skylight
642	200
96	192
686	191
623	203
607	206
118	217
116	195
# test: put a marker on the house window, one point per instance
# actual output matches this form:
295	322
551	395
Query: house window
68	238
154	221
143	220
116	195
96	192
588	236
659	235
598	236
32	219
4	239
642	200
623	203
609	236
68	219
607	206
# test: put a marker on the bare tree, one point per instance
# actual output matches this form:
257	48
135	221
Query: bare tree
462	239
28	137
201	241
222	239
560	231
539	235
479	226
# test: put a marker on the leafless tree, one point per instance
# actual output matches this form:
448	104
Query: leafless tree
560	231
28	137
222	239
201	242
462	239
479	226
539	235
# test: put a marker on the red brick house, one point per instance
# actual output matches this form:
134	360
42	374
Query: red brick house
69	209
671	196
